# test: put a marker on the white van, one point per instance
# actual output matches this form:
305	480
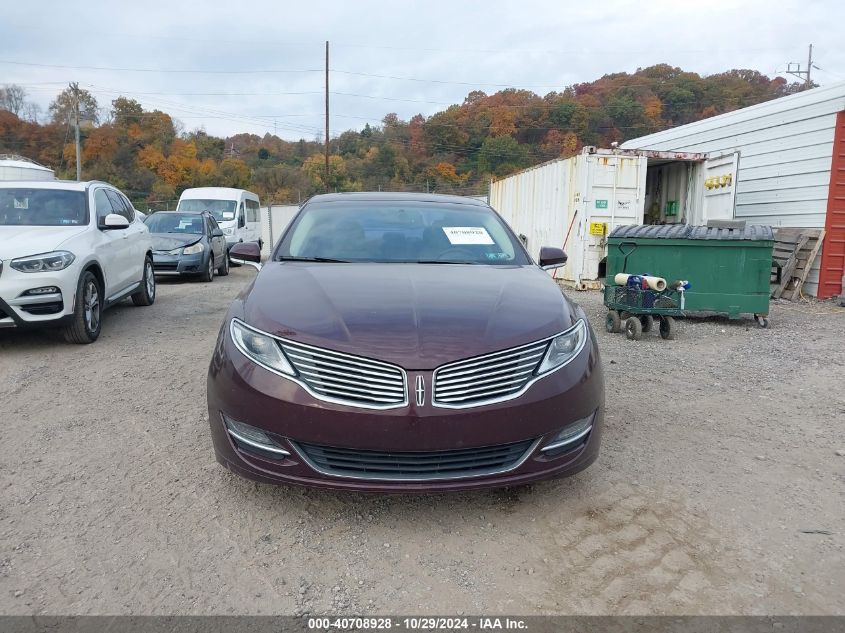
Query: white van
237	211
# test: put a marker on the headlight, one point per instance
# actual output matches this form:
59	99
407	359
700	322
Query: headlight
175	251
46	262
229	231
564	347
193	248
260	348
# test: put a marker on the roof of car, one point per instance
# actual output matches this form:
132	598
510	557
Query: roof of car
70	185
386	196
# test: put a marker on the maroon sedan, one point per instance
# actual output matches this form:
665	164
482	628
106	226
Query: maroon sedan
404	342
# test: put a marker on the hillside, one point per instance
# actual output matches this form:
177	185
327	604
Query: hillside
455	150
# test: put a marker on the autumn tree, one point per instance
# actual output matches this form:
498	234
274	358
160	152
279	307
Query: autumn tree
63	106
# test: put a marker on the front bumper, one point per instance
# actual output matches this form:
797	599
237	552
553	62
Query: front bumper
164	264
301	425
18	309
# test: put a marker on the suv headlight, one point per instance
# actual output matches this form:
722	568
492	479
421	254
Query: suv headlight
193	249
564	347
260	348
46	262
229	231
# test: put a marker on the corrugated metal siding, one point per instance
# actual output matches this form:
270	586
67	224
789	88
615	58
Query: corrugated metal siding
785	146
833	251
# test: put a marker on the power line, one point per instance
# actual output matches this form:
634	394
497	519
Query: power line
164	70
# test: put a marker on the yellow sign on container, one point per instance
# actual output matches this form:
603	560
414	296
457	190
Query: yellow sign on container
598	228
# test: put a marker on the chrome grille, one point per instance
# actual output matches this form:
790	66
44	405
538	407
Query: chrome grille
487	378
415	465
347	379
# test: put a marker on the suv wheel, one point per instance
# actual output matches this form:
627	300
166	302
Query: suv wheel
147	294
208	275
223	270
87	312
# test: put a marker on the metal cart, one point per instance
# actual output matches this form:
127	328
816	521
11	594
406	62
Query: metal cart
639	308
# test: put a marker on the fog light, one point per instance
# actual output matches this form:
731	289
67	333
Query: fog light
570	434
253	437
46	290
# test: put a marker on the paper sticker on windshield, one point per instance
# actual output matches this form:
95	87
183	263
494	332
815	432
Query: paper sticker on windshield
22	203
467	235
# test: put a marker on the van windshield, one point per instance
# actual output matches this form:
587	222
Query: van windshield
222	210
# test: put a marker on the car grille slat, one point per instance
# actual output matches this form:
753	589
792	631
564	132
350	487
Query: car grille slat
485	379
490	376
347	379
322	369
415	465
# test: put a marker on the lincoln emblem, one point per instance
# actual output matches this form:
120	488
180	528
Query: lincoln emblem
420	391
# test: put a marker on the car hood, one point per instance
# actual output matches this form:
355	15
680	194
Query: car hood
169	241
415	315
21	241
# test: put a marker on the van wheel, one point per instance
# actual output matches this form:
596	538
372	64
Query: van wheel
85	325
208	275
147	294
223	270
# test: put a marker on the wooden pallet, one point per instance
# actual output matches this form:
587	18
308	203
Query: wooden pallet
793	255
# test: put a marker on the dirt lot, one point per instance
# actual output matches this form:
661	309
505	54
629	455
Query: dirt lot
719	489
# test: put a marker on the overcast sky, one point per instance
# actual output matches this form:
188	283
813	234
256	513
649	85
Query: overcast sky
377	47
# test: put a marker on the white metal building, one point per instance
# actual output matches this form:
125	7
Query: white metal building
791	167
13	167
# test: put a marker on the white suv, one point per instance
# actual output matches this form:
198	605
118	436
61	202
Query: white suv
68	250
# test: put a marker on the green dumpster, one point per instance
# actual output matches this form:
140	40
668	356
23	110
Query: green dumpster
729	269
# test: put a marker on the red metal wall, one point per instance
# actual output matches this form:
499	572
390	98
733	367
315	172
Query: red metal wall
833	249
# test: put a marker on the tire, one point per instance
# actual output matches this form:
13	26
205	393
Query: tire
146	296
208	275
647	321
762	321
633	329
87	320
223	270
667	328
624	315
612	322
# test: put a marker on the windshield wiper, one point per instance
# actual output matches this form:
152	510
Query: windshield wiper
444	261
289	258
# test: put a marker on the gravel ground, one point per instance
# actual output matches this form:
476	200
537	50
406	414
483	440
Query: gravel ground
719	488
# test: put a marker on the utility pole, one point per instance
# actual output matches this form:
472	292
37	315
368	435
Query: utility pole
794	68
75	88
327	116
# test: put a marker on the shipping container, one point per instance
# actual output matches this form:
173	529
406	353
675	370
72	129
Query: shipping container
274	221
576	202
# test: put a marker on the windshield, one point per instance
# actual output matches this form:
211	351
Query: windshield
222	210
42	207
404	233
190	223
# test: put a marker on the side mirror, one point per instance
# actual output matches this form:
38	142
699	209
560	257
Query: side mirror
217	232
246	253
552	257
113	221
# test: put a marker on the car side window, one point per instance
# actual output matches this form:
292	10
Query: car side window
102	204
119	205
130	209
209	227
